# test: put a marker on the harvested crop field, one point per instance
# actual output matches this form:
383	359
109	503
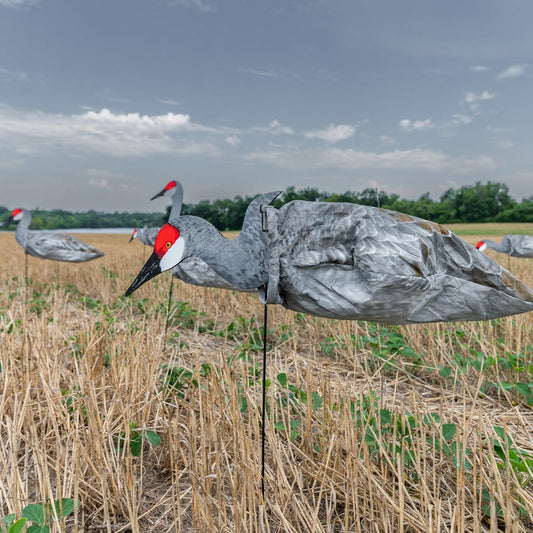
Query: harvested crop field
146	416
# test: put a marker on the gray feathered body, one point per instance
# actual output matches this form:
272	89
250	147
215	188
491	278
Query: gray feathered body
354	262
51	245
513	245
348	261
197	272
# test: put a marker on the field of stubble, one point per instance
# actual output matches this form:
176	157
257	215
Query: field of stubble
148	415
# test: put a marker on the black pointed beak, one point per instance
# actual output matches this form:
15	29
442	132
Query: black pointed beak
162	193
150	269
131	238
8	220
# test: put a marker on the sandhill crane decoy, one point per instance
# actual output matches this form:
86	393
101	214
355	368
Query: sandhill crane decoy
513	245
49	244
192	269
173	189
346	261
146	235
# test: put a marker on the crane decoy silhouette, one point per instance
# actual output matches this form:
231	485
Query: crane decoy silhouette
513	245
173	189
192	269
345	261
146	235
49	244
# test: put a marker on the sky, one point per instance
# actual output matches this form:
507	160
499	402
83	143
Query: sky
103	102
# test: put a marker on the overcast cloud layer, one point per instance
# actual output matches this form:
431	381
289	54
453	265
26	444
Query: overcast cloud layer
100	105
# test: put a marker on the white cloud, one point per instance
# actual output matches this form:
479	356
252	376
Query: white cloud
101	184
288	75
233	140
307	159
118	134
460	119
201	5
512	72
108	119
386	139
416	158
102	174
479	68
274	128
445	127
264	73
117	100
17	75
280	155
163	101
17	3
497	129
332	133
473	99
417	125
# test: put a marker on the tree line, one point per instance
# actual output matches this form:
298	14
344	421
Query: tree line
61	219
481	202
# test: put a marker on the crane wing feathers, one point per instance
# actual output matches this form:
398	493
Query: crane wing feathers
360	262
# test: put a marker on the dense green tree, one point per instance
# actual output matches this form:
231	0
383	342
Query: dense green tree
308	194
522	212
479	203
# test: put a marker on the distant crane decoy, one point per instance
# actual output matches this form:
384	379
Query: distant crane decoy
146	235
513	245
344	261
49	244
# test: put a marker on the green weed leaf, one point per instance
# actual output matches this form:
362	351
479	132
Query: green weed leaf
38	529
445	371
18	526
153	438
136	444
66	505
34	513
523	388
448	431
385	417
9	519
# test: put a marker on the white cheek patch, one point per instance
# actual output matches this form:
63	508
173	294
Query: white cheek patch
173	256
17	217
483	247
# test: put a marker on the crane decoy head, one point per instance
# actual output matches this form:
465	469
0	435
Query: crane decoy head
169	190
15	216
133	235
481	246
173	189
168	252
